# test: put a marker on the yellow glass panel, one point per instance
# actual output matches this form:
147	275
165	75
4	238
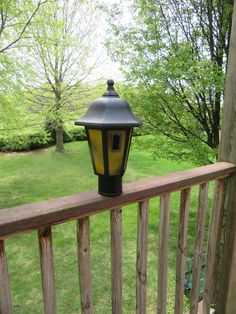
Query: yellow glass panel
129	142
116	147
95	137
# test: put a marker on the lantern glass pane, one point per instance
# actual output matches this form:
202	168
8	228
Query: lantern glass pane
95	137
116	147
127	154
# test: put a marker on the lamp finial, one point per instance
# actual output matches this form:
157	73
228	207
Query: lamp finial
110	89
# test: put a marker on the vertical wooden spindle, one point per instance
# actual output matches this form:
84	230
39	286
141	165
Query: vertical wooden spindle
83	239
213	231
5	294
116	261
141	261
198	251
182	238
163	253
47	270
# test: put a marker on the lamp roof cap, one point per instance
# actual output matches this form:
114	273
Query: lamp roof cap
109	111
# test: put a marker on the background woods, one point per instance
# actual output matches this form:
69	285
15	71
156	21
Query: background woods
173	55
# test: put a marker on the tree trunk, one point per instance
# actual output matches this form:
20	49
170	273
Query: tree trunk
225	280
59	139
216	121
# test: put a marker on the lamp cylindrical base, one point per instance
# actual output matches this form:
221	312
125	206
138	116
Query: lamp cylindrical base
109	186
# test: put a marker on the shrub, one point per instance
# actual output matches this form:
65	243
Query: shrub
16	142
75	134
24	142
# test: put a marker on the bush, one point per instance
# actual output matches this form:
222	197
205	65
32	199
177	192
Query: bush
16	142
75	134
69	134
24	142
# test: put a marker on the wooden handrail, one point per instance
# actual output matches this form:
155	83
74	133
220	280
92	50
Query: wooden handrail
41	214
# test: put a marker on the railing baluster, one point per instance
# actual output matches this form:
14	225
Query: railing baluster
213	231
116	263
47	270
163	252
5	294
198	251
141	261
37	216
182	238
83	239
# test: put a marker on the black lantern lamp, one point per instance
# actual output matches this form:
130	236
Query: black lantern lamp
109	122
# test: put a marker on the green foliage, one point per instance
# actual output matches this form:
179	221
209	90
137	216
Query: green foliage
175	65
161	146
24	141
35	139
168	142
45	50
16	17
61	48
75	134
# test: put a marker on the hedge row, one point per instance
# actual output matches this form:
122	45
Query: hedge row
40	139
16	142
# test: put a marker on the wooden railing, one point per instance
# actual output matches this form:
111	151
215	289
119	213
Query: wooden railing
42	215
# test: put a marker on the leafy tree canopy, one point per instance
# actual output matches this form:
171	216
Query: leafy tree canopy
15	19
61	59
174	55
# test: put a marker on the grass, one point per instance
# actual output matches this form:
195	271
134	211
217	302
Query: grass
43	174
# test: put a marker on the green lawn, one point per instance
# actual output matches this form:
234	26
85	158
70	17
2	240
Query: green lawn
43	174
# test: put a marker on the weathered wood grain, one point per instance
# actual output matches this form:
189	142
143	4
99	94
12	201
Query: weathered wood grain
5	293
182	239
213	232
116	260
83	240
198	250
163	253
141	259
47	270
225	286
34	216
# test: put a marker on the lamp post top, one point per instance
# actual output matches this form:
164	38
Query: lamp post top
109	111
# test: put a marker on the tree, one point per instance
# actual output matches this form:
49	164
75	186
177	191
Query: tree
175	54
16	16
15	19
61	53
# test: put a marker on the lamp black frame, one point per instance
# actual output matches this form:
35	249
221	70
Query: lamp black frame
109	113
110	185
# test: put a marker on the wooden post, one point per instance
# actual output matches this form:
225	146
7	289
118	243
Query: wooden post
225	288
163	252
198	250
47	270
211	252
5	294
116	263
141	260
83	245
181	248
